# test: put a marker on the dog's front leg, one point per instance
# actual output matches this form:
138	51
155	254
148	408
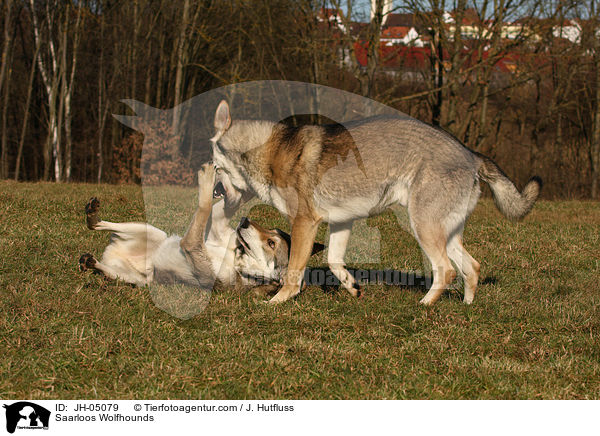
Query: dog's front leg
192	243
304	231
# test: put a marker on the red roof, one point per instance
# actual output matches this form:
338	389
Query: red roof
403	20
417	58
395	56
395	32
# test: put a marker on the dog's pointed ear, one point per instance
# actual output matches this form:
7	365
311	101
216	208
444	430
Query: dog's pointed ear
222	117
317	248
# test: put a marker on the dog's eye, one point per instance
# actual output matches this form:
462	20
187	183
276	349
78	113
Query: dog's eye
271	243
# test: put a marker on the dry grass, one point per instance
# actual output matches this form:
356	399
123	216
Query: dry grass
531	333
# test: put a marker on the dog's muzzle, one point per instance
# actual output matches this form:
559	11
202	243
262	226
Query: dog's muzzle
219	190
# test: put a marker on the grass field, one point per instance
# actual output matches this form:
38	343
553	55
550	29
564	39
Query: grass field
531	333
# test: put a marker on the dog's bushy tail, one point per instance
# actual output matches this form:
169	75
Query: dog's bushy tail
513	204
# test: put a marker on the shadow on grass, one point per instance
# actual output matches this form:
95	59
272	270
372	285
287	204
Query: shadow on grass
410	280
489	281
328	282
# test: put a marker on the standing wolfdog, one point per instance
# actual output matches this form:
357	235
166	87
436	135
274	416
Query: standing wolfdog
342	173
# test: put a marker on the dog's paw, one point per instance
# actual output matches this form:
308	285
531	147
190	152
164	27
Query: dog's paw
358	291
92	206
277	299
427	301
86	261
91	212
284	295
206	174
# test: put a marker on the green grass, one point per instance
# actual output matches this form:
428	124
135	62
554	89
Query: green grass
531	333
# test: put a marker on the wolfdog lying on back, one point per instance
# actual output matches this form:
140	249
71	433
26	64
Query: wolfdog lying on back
211	252
343	173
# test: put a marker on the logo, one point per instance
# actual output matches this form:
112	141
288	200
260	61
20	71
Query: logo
26	415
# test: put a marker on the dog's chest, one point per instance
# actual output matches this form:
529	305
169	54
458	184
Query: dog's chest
274	196
222	262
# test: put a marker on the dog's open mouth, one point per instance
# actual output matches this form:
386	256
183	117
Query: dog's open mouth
242	244
219	190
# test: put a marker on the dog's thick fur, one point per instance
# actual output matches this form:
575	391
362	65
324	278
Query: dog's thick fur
211	252
343	173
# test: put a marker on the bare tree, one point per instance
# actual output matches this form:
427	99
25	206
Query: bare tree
594	28
68	82
546	107
5	73
48	67
26	113
181	60
370	37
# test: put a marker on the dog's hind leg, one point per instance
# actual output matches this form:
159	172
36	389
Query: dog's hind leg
339	234
432	239
88	262
143	232
467	266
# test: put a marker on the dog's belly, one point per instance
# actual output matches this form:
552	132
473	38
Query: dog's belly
170	264
356	208
129	256
349	206
222	261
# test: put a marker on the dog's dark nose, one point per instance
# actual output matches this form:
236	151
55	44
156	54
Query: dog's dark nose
219	190
244	223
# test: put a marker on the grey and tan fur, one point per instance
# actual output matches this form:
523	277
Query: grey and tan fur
210	253
343	173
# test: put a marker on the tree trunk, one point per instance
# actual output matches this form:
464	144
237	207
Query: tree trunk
162	65
68	92
181	50
60	162
4	155
133	45
7	41
50	85
437	77
454	74
595	146
368	79
26	113
100	107
57	152
5	73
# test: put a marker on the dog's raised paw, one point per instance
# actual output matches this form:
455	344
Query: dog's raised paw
91	212
92	205
86	261
206	174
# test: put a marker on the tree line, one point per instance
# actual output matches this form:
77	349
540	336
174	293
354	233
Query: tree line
67	64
